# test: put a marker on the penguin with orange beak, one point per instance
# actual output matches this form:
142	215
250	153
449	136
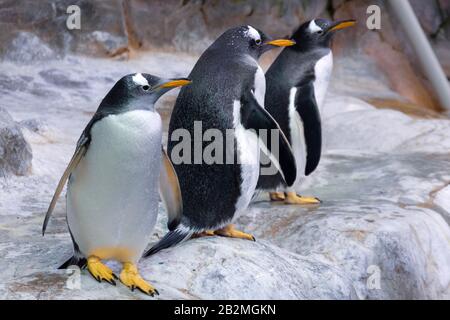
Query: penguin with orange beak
227	95
297	83
113	181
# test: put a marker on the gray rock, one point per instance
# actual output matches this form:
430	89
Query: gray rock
15	152
102	33
381	232
35	125
28	48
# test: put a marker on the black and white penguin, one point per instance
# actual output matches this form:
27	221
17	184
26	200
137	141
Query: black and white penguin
227	93
297	83
112	190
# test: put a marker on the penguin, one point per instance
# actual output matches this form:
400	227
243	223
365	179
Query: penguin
227	95
297	83
112	181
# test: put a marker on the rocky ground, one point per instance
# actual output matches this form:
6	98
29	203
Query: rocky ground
382	230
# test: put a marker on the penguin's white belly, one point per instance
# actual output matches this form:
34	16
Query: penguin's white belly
323	70
260	86
248	155
297	137
112	197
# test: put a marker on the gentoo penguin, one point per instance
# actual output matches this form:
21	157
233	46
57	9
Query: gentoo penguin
112	189
296	86
226	95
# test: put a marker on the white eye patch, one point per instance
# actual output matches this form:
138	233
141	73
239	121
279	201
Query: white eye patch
139	79
253	33
313	27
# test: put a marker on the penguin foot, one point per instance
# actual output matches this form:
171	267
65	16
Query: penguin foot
231	232
208	233
277	196
293	198
99	271
132	279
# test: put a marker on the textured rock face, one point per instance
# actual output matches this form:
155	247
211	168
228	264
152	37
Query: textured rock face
15	152
382	231
102	26
37	30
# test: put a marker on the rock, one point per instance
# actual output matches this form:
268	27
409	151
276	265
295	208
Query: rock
60	79
374	131
388	48
35	125
429	14
103	30
382	231
442	200
115	28
15	152
28	48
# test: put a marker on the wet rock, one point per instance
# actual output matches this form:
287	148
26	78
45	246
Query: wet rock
34	30
15	152
381	232
13	83
388	48
442	200
102	29
26	47
60	79
192	25
35	125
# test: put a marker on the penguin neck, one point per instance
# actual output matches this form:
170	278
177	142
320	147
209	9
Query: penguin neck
306	50
119	107
308	56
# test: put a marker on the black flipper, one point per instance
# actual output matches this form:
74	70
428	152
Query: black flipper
255	117
171	239
305	102
80	151
169	190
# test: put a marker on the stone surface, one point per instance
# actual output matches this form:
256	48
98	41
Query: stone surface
103	29
15	152
37	30
383	181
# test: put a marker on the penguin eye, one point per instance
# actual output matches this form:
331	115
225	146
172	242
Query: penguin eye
258	41
320	32
145	88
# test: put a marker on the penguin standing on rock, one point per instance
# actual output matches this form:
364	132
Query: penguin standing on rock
297	83
112	190
227	93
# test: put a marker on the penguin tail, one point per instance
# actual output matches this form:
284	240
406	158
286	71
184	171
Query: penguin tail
172	238
74	261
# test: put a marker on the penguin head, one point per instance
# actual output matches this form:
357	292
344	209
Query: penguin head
248	40
319	32
139	91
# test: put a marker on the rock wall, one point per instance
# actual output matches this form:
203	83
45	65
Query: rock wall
36	30
15	152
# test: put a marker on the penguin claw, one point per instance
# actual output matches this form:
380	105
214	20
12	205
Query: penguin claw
277	196
231	232
131	278
295	199
99	271
208	233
